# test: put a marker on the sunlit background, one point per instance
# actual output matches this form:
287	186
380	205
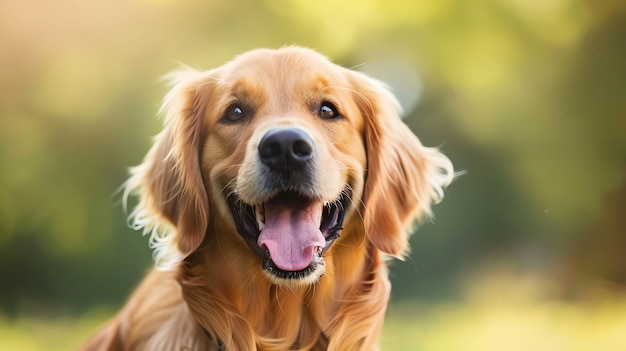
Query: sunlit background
526	252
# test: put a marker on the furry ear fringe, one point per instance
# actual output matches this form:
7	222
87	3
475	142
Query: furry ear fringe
404	178
143	218
173	206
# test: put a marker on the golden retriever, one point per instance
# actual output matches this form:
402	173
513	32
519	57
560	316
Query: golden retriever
279	186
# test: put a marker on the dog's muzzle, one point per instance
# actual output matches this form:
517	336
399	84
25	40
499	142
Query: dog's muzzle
292	229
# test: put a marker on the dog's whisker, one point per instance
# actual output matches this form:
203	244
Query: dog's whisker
224	188
357	206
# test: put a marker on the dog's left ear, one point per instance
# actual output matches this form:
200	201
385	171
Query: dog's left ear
403	177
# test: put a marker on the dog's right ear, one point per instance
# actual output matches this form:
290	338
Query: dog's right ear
173	206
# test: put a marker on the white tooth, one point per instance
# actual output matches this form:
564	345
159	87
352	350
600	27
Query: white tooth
260	217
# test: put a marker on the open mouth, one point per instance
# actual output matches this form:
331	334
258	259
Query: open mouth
290	231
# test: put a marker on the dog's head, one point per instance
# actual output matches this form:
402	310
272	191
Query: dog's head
283	149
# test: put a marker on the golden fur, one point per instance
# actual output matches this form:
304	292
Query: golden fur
209	291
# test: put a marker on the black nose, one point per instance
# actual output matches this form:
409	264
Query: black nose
286	149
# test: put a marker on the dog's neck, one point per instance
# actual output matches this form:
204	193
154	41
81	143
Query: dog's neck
291	315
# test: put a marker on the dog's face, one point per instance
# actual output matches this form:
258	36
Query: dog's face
284	149
287	149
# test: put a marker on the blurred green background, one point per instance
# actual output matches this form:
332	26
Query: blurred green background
527	251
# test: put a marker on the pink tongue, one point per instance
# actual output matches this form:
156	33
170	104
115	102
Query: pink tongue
291	234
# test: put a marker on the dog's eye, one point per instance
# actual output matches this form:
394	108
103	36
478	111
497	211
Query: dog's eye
328	111
234	114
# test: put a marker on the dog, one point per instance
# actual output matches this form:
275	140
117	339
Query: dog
274	197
